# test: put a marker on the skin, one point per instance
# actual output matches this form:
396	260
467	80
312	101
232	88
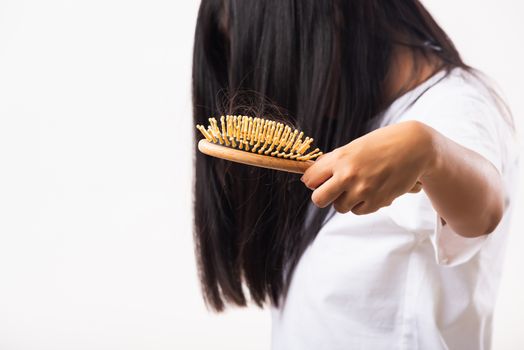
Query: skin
370	172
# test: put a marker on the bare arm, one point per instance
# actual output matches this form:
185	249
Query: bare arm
465	188
373	170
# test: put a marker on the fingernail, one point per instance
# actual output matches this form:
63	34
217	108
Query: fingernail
302	179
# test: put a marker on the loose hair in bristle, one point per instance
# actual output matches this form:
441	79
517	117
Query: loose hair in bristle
259	135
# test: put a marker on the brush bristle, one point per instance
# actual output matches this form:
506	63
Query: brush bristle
260	136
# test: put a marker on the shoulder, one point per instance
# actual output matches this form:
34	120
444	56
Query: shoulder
461	91
465	106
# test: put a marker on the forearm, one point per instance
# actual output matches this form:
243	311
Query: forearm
464	188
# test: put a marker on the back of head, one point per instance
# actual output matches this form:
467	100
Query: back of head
318	65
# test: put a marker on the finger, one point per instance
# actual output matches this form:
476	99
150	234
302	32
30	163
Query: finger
318	173
345	202
416	188
327	192
372	204
363	208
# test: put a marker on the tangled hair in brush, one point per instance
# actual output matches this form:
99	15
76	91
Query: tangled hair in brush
317	65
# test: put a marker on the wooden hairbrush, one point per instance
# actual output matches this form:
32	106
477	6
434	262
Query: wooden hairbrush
259	142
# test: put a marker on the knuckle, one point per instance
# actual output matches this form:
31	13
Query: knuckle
358	211
335	152
323	160
384	202
347	175
340	207
363	209
364	189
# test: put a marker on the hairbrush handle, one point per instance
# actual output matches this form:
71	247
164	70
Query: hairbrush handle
250	158
255	159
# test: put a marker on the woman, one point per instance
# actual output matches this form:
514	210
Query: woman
345	257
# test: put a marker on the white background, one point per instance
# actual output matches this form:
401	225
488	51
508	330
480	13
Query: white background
95	174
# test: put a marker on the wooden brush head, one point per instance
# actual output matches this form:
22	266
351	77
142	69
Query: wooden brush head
259	142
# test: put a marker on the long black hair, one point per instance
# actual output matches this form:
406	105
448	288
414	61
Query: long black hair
318	65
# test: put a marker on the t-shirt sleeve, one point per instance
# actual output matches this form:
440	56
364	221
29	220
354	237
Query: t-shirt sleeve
471	121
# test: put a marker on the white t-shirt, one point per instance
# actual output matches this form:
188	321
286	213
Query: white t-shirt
398	278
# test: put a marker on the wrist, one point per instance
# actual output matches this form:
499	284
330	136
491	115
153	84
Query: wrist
431	143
